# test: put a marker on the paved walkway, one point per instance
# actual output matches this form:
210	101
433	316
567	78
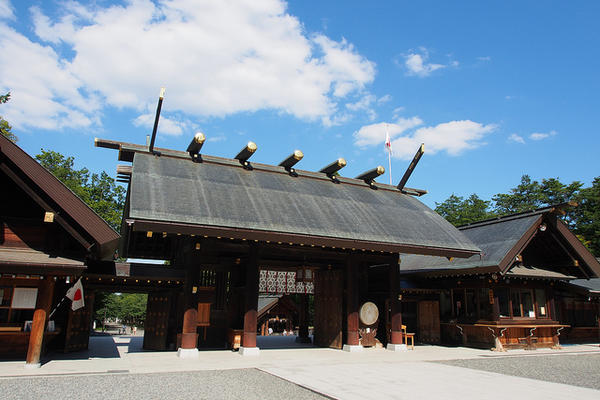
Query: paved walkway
373	373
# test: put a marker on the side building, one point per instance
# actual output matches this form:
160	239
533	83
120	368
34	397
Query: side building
524	290
48	236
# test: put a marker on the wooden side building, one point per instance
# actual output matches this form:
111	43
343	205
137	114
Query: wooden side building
47	237
517	293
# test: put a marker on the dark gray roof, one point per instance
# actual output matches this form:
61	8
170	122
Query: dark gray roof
268	199
495	239
267	301
592	285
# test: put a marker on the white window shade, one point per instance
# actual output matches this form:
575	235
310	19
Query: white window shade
24	298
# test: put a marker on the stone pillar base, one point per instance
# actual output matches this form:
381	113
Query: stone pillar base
187	353
32	365
397	347
249	351
352	348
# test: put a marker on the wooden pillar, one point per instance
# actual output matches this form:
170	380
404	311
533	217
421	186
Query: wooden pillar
189	335
36	337
303	320
395	305
352	264
251	300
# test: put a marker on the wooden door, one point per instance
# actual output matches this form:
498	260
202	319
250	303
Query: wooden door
328	308
77	334
429	322
157	321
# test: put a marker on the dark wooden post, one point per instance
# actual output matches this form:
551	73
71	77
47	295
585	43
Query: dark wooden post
189	335
251	303
36	337
395	306
303	320
352	341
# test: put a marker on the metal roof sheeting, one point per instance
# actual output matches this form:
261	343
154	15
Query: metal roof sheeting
217	194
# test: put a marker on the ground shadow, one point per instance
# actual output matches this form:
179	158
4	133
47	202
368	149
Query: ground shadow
277	342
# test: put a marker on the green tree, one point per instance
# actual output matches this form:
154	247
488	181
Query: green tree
526	196
129	308
99	191
5	127
459	211
586	217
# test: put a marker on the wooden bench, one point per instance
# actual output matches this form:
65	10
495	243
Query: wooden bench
407	336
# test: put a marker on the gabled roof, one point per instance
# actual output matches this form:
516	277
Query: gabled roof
70	211
501	241
220	197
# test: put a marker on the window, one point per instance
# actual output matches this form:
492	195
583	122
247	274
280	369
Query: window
471	310
17	304
522	303
485	297
503	304
542	303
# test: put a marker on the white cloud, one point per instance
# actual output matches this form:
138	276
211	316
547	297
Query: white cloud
364	104
44	93
215	58
168	126
374	134
484	58
6	10
384	99
452	137
541	136
417	65
516	138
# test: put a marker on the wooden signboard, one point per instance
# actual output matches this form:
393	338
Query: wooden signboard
203	314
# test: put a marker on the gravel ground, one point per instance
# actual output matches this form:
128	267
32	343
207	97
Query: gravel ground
578	370
226	384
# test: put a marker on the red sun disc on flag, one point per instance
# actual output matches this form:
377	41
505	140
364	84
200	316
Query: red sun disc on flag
77	295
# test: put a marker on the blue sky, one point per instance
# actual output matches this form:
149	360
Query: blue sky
494	90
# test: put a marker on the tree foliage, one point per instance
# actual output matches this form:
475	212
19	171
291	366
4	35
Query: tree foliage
529	194
459	211
129	308
586	216
99	191
5	127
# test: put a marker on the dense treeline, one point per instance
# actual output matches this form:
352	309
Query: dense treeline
583	220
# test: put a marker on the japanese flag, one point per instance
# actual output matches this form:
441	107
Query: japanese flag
76	295
388	143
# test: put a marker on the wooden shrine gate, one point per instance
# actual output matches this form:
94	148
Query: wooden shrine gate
157	321
328	308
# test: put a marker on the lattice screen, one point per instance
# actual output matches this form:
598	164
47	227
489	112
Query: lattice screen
282	282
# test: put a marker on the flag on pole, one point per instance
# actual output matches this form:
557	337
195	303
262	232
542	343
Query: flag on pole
76	295
388	147
388	143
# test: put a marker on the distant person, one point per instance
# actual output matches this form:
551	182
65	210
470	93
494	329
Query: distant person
270	331
134	330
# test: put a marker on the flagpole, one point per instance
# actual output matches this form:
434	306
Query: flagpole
56	308
388	147
390	162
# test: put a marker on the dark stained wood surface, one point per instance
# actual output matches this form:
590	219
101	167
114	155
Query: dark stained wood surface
429	322
328	308
157	317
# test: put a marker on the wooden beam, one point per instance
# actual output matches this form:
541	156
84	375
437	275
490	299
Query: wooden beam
352	264
264	236
411	167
